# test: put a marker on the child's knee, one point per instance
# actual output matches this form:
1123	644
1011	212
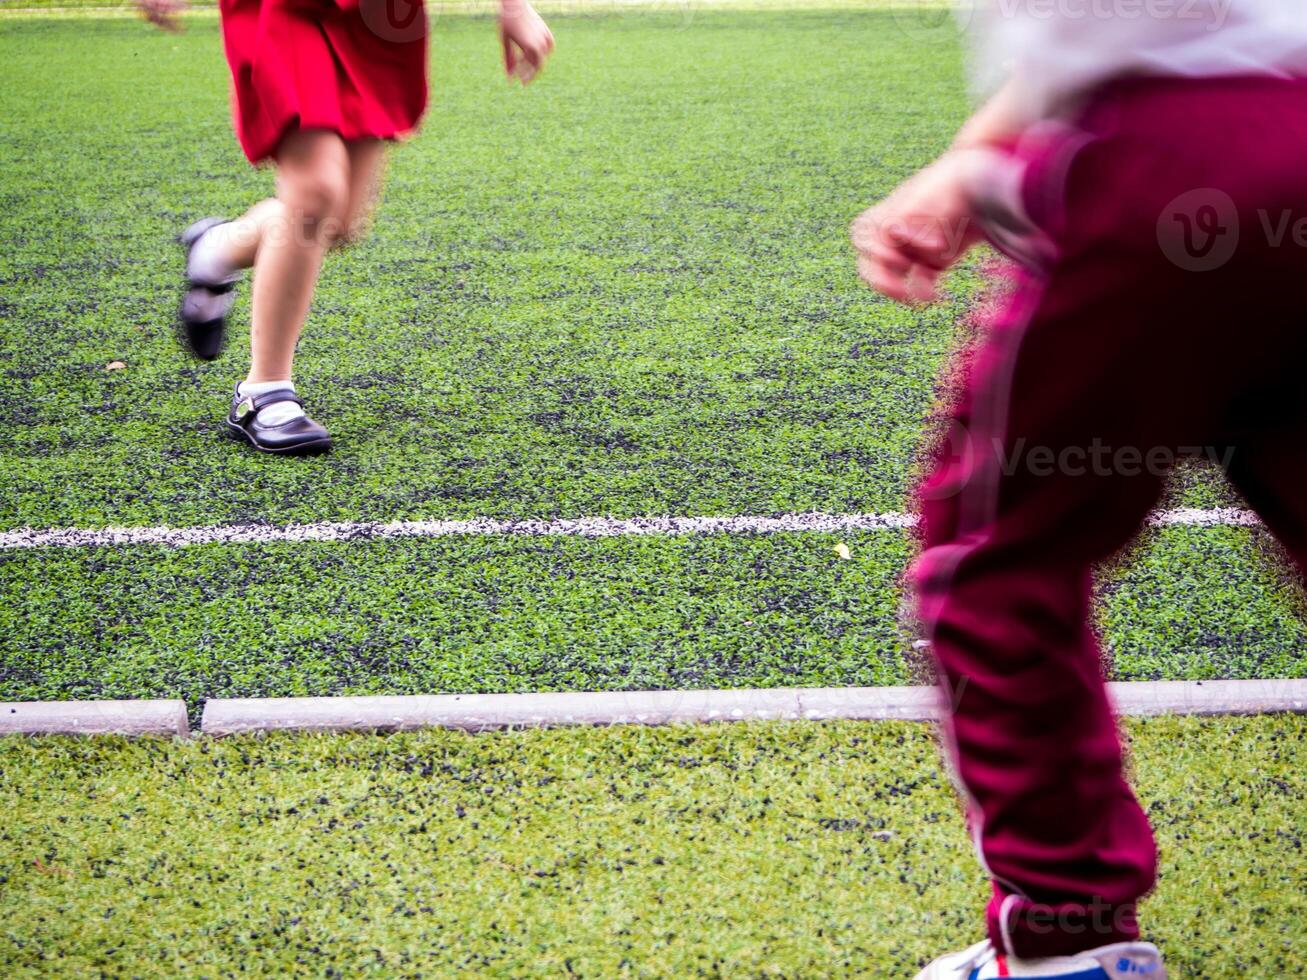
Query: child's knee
316	201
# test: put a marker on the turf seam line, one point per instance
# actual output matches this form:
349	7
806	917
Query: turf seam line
486	712
586	527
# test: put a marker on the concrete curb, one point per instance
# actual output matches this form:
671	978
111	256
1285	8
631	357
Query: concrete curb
93	718
486	712
1144	698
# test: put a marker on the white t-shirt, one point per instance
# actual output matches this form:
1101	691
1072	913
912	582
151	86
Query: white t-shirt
1059	49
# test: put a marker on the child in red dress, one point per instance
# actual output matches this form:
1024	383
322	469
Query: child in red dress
320	87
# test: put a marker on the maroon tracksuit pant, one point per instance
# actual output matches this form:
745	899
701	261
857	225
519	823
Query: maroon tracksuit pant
1172	320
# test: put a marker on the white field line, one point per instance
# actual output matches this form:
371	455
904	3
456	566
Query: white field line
582	527
1194	517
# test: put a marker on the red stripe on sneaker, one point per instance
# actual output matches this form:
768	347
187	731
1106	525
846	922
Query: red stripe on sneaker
1001	960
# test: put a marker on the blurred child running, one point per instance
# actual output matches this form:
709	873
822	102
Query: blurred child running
320	87
1145	163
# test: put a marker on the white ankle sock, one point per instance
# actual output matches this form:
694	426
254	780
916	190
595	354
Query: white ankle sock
207	264
277	413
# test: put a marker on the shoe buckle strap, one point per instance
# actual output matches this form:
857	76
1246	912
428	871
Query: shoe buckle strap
259	402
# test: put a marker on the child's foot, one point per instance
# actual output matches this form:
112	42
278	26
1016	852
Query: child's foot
1119	961
270	417
208	296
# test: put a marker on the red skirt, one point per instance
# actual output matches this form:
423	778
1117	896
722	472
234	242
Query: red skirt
354	67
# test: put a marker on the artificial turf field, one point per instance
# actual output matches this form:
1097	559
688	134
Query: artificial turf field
626	291
795	850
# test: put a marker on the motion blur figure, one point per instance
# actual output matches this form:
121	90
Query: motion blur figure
319	88
1144	164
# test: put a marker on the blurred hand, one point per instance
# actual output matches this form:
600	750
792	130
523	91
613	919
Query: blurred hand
162	13
526	39
909	239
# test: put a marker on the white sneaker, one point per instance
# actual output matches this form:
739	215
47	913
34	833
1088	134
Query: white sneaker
1118	961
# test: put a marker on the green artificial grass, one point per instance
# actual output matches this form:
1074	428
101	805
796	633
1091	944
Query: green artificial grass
471	614
452	615
624	291
744	850
1198	603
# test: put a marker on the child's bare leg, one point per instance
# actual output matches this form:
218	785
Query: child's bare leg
234	245
367	161
312	192
326	190
284	238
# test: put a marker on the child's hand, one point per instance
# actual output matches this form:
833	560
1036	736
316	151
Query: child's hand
907	240
162	13
526	39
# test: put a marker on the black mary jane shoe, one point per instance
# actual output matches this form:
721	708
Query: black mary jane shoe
299	437
202	320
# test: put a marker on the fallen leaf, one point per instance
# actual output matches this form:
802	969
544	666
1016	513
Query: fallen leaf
842	550
115	366
50	869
